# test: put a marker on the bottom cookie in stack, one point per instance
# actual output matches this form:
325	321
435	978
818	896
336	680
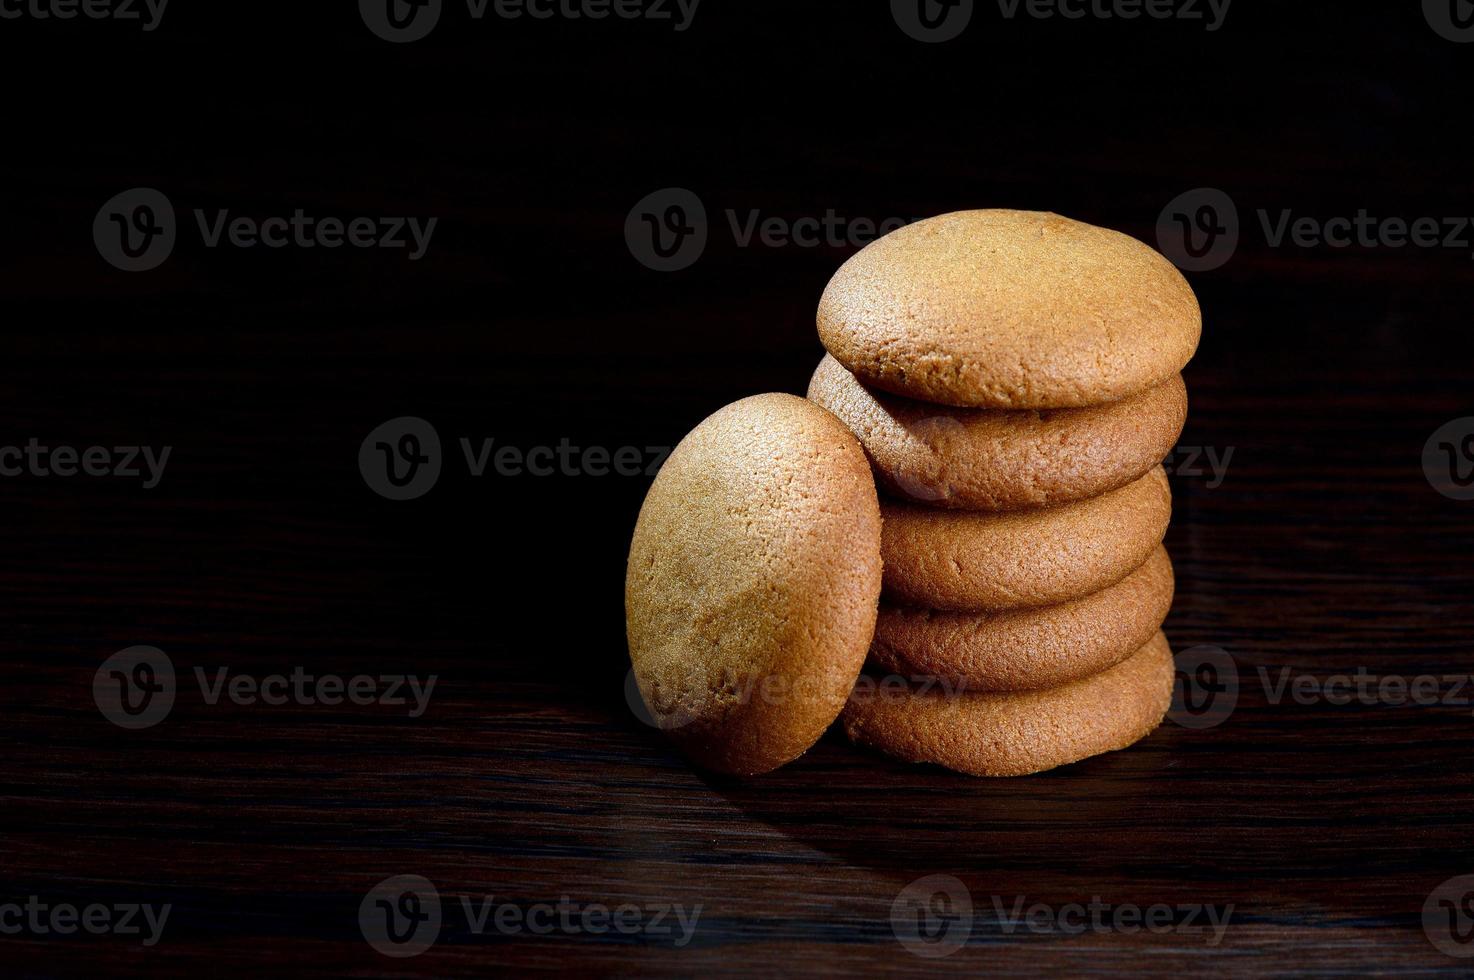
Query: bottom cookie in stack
1020	732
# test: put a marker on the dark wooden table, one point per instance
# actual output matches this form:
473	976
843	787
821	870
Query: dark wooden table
1319	829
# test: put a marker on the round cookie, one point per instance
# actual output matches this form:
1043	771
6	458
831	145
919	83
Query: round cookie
1027	649
752	583
1020	733
1009	309
987	459
961	560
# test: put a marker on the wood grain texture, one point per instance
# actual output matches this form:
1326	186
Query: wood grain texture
1323	549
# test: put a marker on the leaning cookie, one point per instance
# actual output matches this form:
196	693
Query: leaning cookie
970	560
1019	733
970	459
1026	649
1010	309
752	583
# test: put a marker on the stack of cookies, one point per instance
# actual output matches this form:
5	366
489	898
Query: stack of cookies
1014	379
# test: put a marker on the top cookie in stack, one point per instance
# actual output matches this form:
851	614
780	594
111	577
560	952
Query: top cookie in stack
1010	309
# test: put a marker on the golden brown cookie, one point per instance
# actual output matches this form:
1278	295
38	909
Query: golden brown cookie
752	583
986	459
970	560
1025	649
1010	309
1020	733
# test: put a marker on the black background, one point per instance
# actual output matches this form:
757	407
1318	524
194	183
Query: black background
529	321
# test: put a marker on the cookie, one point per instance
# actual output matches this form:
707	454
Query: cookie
1020	733
961	560
752	583
1026	649
1009	309
988	459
